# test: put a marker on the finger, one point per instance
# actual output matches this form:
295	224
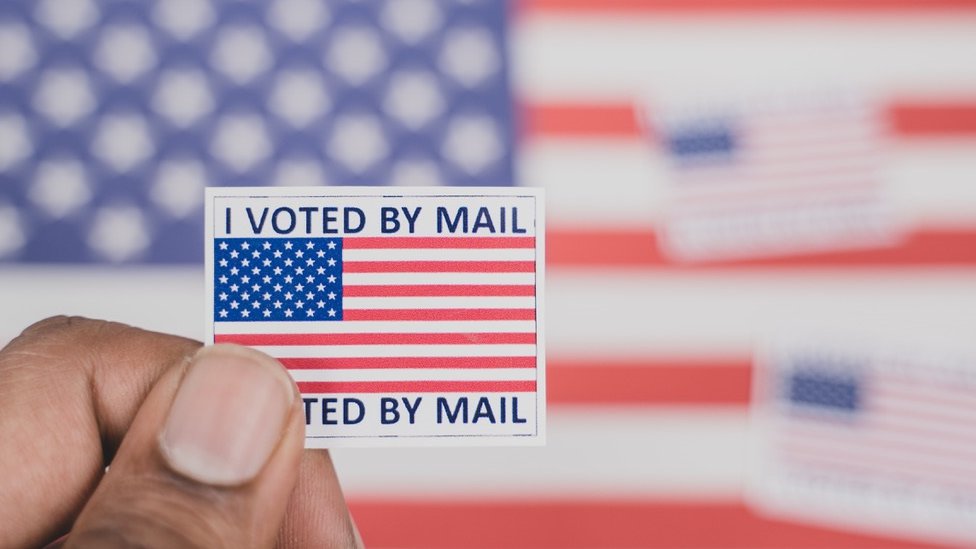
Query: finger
317	515
209	461
69	388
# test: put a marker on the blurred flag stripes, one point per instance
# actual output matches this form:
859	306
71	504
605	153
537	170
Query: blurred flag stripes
663	377
935	120
650	362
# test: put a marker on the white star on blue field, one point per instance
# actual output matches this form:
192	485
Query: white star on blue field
115	115
277	279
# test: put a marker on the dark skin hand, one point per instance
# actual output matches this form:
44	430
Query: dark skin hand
205	445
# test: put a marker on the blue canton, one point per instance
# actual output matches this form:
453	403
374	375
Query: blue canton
115	115
276	279
823	390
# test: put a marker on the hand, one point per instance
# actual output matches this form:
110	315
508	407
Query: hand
205	445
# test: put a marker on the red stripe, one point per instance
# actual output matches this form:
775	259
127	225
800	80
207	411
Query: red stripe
377	339
636	7
438	266
650	382
447	242
581	120
439	314
621	120
657	382
593	524
439	290
933	120
620	248
313	387
409	362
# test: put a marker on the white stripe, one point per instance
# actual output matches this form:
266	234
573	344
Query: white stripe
657	55
491	302
932	181
927	181
403	254
350	279
730	311
370	351
411	374
633	188
378	326
668	453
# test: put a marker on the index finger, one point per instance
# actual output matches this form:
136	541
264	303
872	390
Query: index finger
69	390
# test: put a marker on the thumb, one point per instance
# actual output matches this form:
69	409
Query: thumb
210	459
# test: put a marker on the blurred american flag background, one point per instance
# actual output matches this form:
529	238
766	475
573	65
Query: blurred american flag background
115	114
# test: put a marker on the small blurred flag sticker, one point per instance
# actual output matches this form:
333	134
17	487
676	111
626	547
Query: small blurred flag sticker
406	319
786	175
880	442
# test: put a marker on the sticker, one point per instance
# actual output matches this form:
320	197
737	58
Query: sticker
788	175
877	441
409	319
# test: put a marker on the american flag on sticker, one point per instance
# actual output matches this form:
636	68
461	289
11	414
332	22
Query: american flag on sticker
771	178
879	441
435	309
